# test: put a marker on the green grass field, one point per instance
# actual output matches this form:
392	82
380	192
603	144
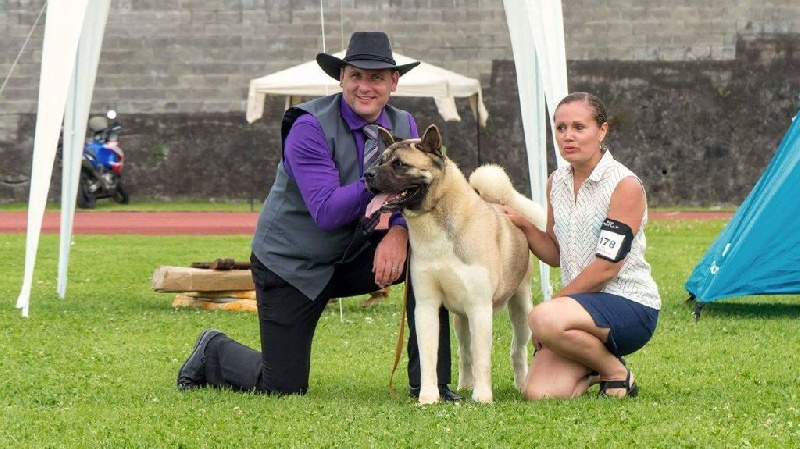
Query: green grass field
98	368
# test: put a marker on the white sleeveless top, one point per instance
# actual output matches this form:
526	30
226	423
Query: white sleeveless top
577	221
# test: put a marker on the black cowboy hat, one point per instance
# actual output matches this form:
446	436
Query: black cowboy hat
367	50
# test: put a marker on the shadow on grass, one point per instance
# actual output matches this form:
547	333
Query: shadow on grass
751	310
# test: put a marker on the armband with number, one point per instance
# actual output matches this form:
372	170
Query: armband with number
615	240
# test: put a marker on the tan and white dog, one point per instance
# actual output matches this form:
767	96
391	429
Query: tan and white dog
465	254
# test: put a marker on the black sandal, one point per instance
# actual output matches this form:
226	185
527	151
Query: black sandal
631	389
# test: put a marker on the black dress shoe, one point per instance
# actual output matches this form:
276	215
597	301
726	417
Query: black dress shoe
448	395
445	393
193	372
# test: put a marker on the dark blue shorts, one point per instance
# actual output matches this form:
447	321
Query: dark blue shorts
630	324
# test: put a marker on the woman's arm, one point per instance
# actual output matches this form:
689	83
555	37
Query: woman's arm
543	244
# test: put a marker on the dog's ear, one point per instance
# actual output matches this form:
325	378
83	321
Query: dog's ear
386	137
432	141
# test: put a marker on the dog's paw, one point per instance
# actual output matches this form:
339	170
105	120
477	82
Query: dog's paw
482	396
425	400
429	395
465	382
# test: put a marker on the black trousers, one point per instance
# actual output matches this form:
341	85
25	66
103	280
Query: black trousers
288	320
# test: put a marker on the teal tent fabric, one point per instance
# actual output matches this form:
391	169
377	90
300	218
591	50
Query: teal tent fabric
758	252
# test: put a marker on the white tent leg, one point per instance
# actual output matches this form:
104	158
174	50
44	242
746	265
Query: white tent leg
75	118
62	30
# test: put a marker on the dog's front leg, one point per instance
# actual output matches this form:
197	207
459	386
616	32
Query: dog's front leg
480	327
426	318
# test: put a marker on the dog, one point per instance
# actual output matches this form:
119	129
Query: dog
465	254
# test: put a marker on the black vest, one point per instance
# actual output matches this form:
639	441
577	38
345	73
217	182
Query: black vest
287	241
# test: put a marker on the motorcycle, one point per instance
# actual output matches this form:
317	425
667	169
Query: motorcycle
103	160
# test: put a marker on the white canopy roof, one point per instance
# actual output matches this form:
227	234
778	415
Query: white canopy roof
425	80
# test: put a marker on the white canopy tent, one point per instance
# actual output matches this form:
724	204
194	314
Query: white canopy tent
73	37
426	80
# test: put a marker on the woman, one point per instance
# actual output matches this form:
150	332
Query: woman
609	303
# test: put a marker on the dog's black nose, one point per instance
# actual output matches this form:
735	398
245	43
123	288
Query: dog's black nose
369	175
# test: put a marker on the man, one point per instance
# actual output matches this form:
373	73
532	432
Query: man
312	241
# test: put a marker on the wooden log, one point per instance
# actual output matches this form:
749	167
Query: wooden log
182	279
225	296
237	305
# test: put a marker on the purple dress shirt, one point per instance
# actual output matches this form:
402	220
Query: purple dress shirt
307	159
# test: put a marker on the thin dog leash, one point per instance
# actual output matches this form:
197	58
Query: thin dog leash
399	349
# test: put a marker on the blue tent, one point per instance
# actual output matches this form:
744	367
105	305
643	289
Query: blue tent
758	252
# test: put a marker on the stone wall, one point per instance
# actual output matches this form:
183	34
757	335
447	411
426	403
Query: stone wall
700	92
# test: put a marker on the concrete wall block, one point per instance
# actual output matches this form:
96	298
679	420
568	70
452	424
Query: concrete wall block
698	52
723	53
664	53
404	16
486	28
481	15
305	16
149	5
711	39
779	13
165	19
273	16
256	70
123	68
26	14
602	28
470	67
635	14
454	15
18	81
24	71
410	32
647	27
495	53
777	28
255	20
20	93
659	40
463	40
215	106
18	106
620	52
247	5
216	17
8	128
129	22
582	53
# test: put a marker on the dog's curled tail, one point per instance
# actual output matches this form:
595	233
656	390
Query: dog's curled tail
493	185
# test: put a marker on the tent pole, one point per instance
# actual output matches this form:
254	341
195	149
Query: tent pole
252	169
478	138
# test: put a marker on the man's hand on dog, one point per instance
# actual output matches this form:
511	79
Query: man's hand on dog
390	256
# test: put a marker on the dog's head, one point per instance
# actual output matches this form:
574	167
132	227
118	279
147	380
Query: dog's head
406	171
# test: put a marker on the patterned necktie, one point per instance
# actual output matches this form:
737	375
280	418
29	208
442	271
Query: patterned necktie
371	152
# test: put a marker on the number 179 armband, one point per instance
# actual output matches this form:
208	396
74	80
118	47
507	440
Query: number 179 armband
615	240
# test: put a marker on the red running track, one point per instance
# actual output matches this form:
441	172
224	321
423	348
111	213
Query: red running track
194	223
